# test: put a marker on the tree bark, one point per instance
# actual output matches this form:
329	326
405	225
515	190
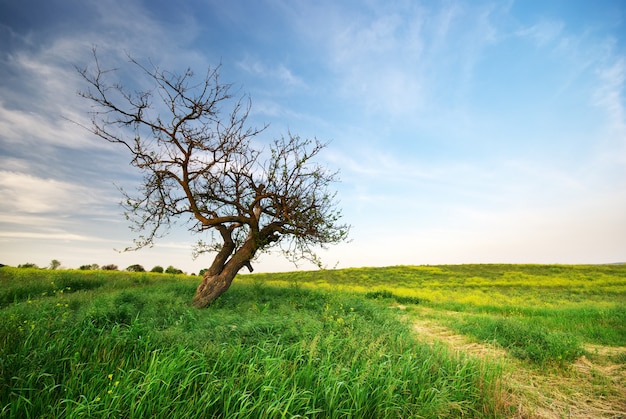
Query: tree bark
217	281
212	286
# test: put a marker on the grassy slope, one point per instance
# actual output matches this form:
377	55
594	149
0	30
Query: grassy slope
545	316
587	302
100	344
319	343
479	285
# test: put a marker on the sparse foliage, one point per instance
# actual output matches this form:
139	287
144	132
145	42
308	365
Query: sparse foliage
203	164
54	264
110	267
92	267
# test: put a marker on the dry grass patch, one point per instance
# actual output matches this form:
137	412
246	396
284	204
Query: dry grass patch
593	387
585	391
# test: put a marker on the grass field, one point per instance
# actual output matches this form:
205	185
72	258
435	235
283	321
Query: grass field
335	343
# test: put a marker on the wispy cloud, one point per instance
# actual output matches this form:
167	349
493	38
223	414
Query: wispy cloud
25	193
279	72
611	93
543	32
48	236
26	129
397	61
378	60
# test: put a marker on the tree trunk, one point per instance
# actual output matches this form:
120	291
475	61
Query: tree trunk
212	286
216	281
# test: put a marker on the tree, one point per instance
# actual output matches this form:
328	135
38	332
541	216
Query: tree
135	268
110	267
28	265
203	164
158	269
172	270
54	264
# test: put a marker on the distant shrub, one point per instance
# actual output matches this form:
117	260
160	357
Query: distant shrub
407	300
375	295
158	269
92	267
135	268
28	265
54	264
172	270
110	267
385	294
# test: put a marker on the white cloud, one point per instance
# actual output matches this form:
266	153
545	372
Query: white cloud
26	129
543	32
24	193
47	236
279	72
374	163
377	67
401	60
610	95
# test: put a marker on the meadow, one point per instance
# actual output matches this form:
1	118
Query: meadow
330	343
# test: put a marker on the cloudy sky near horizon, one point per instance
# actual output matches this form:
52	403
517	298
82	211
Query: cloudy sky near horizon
465	132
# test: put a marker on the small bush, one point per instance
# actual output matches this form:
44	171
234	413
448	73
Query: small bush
384	294
158	269
378	295
28	265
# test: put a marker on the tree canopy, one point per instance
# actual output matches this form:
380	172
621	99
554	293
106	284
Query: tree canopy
203	164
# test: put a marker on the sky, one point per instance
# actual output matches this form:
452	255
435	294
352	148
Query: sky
464	132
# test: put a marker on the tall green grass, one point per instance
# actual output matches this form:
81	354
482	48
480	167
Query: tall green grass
128	345
308	344
574	303
525	340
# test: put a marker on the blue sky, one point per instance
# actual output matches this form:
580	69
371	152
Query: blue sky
465	132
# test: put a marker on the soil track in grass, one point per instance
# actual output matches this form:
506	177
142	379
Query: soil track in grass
593	387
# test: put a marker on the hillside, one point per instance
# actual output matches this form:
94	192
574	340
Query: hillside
427	341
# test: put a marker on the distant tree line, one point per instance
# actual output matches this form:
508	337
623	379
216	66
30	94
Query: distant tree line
133	268
55	264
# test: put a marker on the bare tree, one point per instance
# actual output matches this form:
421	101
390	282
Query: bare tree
203	164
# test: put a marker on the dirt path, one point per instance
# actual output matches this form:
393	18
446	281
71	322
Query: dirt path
594	387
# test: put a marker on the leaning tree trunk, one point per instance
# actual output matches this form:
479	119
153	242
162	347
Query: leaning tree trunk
212	286
218	278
